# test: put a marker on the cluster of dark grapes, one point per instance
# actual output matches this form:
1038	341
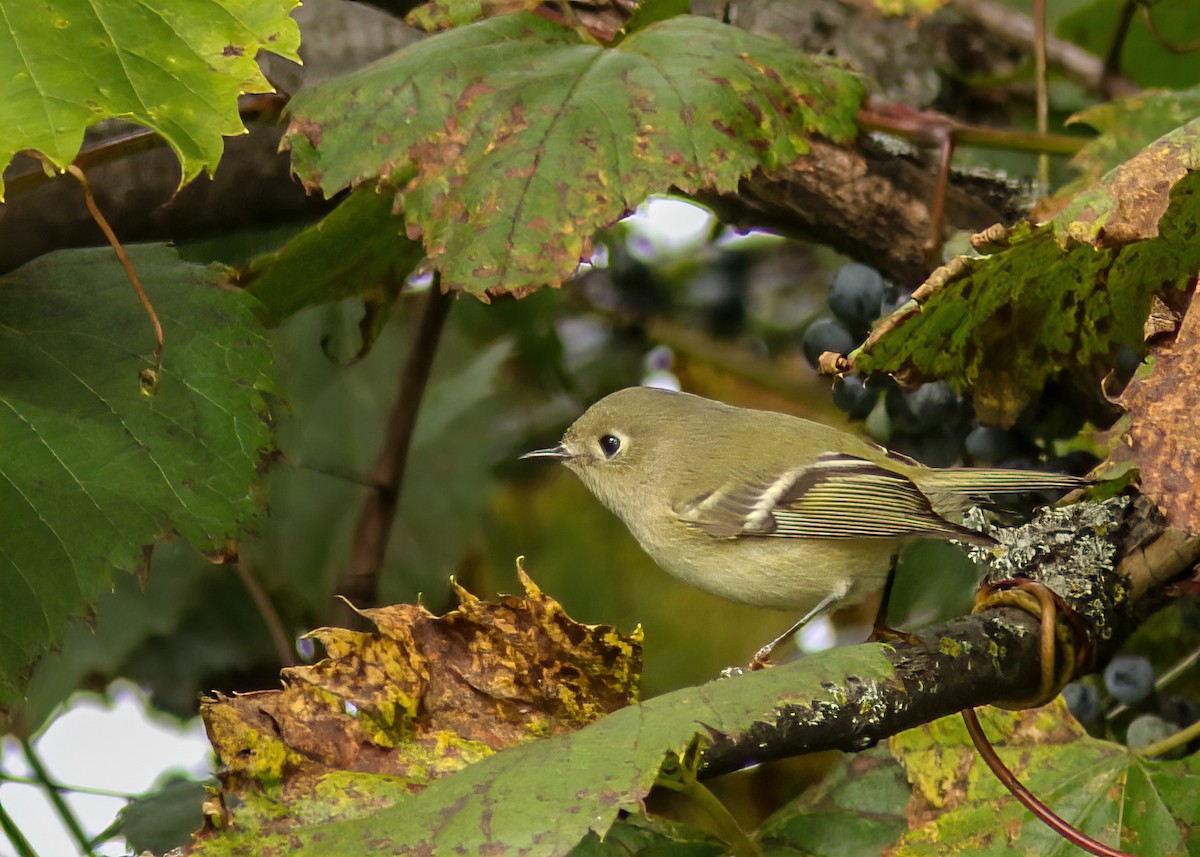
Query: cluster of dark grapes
1133	704
932	423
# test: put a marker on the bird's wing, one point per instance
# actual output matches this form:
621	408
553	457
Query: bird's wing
836	497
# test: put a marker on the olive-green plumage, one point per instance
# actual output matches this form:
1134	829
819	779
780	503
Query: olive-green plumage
765	508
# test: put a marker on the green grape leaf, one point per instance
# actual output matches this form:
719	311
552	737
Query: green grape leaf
512	140
651	836
176	68
1129	125
857	808
1057	296
1127	205
354	250
163	819
94	470
1102	789
543	796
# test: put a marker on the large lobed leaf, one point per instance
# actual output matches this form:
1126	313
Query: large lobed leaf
1056	296
953	804
175	67
1129	125
1107	791
92	470
512	140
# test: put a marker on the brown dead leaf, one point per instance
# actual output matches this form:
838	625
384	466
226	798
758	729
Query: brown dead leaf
1164	425
1141	192
426	695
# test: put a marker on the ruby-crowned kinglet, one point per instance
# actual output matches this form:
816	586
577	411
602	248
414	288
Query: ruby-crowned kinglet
766	508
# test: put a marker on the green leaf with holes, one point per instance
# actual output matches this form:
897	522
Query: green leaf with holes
176	68
1128	125
1103	789
511	141
93	470
1060	296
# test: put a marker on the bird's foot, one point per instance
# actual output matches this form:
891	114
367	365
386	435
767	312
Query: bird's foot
884	634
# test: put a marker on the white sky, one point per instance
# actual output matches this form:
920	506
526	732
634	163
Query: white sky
96	745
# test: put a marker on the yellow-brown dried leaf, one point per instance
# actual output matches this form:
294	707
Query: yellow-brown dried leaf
1164	425
424	695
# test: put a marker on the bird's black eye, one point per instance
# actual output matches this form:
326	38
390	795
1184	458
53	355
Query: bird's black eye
610	445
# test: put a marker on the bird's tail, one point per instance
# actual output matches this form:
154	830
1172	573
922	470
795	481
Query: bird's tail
984	481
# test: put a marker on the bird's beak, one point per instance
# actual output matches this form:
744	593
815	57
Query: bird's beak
558	453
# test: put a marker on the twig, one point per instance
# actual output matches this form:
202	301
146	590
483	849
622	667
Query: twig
683	781
1044	814
54	792
926	127
360	582
1112	59
279	635
937	210
1169	47
1043	98
97	216
1180	739
15	836
1016	29
1164	681
83	790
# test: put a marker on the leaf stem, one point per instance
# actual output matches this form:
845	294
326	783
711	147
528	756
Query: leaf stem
1027	799
1163	42
1043	98
727	827
83	790
262	602
15	836
54	792
1181	738
98	216
1112	59
927	128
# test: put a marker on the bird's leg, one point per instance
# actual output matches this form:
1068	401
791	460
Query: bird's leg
880	630
762	658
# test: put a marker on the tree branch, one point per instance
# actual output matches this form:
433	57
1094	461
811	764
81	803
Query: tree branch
1111	580
866	202
1016	28
360	582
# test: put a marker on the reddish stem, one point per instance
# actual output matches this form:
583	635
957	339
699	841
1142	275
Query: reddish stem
1046	815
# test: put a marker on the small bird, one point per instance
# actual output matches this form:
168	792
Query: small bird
765	508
